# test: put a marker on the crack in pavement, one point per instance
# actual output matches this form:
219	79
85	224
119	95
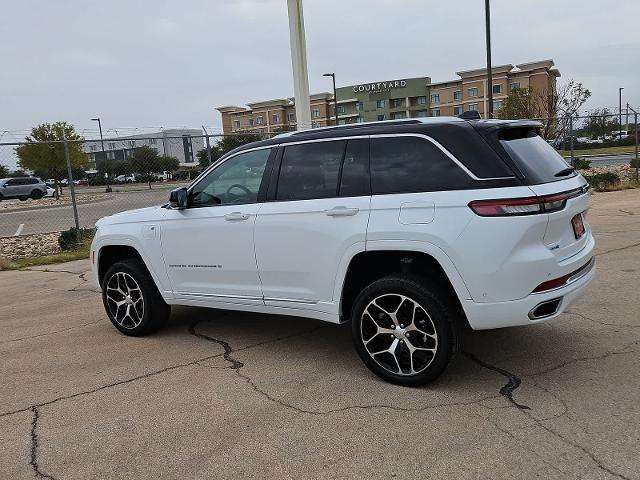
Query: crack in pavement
236	365
606	324
33	461
51	333
513	382
617	249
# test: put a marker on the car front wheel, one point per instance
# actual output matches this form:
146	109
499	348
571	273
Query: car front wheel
131	299
403	329
37	194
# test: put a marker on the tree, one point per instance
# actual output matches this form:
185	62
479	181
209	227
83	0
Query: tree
600	122
44	151
225	145
145	161
554	109
168	163
4	171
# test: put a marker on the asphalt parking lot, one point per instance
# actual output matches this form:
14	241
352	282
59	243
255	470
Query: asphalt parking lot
235	395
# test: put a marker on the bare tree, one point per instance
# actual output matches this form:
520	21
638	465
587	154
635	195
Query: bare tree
554	108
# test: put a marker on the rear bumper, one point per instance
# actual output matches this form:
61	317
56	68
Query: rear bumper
483	316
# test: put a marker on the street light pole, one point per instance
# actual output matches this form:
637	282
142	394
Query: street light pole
335	95
299	64
487	17
620	109
104	155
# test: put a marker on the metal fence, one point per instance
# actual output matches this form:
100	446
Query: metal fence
85	180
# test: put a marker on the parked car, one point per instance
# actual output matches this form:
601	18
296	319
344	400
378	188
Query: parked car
50	192
409	229
22	188
125	178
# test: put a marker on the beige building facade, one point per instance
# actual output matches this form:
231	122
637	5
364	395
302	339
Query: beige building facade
396	98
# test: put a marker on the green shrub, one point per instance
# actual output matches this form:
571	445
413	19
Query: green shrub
68	239
581	163
603	181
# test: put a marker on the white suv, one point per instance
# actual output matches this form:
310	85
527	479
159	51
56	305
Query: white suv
409	229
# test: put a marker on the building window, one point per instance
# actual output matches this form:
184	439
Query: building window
315	113
497	105
259	120
515	85
315	125
422	113
275	118
457	95
342	122
473	107
359	106
291	117
435	98
398	115
152	141
111	145
497	89
435	112
396	102
111	155
381	117
132	143
473	92
93	148
236	124
457	110
340	109
359	119
379	103
421	100
251	122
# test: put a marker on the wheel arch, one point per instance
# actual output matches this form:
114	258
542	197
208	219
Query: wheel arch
389	257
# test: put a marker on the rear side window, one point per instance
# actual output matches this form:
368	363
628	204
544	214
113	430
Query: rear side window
409	164
537	160
354	181
310	170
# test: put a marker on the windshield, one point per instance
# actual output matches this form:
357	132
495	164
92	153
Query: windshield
534	156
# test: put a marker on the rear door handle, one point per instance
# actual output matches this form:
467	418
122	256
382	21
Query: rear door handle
235	216
341	212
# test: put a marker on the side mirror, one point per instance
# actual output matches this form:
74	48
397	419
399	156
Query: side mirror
178	198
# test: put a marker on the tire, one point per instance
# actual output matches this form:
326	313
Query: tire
37	194
129	282
23	198
422	334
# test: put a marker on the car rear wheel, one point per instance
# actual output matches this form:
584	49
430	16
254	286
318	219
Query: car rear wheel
403	329
37	194
23	198
131	299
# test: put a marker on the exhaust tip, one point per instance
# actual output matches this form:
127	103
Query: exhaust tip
545	309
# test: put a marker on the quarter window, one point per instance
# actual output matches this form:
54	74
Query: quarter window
236	181
310	170
412	164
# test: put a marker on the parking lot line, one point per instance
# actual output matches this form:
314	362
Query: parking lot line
19	230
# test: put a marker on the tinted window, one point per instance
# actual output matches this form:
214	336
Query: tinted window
33	181
354	181
412	164
310	170
533	155
235	181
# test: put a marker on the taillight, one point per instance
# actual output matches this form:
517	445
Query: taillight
520	206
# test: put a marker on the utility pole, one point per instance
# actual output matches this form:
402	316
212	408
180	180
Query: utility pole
104	155
636	134
299	64
335	95
487	17
620	109
72	188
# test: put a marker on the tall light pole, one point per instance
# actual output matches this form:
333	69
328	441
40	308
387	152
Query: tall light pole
335	95
620	109
104	155
487	18
299	64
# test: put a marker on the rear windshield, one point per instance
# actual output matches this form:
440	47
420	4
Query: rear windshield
538	160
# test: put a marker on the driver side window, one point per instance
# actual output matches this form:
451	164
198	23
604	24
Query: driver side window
236	181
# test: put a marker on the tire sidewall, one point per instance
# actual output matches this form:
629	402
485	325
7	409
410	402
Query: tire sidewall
417	290
155	310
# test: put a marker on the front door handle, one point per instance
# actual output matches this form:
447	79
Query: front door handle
235	216
341	212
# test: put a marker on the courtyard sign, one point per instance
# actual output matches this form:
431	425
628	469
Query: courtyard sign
379	87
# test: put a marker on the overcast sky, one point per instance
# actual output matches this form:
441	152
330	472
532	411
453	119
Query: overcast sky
169	63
